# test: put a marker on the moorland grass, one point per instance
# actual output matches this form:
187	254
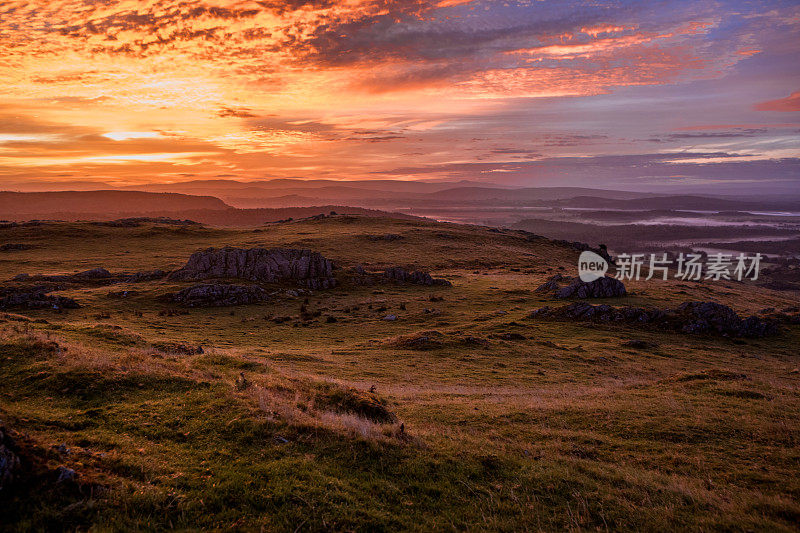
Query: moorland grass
557	427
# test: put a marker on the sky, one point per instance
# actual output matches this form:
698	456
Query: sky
669	95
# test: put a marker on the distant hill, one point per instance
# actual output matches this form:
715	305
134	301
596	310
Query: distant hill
254	217
110	205
45	204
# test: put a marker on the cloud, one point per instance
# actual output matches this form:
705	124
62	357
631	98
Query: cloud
348	89
788	104
241	112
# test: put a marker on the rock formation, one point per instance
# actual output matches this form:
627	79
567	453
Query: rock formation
147	275
711	317
689	317
306	268
99	274
605	287
218	295
551	284
416	277
9	461
36	300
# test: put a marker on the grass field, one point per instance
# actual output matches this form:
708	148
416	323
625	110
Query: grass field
501	423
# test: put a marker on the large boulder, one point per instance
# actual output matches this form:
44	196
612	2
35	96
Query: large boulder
416	277
218	295
711	317
306	268
605	287
36	300
689	317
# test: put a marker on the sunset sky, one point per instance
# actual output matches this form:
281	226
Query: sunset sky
657	95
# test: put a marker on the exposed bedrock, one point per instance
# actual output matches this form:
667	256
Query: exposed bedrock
306	268
416	277
219	295
688	317
605	287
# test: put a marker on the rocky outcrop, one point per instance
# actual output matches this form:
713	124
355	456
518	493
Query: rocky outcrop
219	295
93	275
689	317
146	275
416	277
36	300
605	287
9	461
14	246
711	317
551	284
304	267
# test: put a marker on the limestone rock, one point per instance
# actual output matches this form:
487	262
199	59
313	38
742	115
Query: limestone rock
218	295
551	284
36	300
416	277
605	287
689	317
711	317
9	461
306	268
95	275
146	275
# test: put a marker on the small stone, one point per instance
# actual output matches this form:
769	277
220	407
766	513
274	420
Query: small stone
65	474
639	344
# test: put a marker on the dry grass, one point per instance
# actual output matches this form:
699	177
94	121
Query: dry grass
302	412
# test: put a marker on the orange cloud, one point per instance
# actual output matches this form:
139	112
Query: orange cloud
790	103
282	87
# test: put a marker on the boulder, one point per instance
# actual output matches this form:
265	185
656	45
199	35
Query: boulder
424	340
14	246
36	300
95	275
689	317
711	317
306	268
146	275
638	344
605	287
218	295
416	277
551	284
9	461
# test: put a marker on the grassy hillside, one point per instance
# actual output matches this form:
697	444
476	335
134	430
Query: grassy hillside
314	412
